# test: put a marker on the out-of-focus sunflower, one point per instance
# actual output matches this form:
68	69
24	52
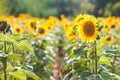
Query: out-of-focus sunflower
30	25
62	16
49	27
118	41
87	30
108	39
52	20
17	30
79	18
70	33
106	28
41	30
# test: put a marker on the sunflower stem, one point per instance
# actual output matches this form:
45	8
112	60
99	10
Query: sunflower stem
73	71
5	61
96	64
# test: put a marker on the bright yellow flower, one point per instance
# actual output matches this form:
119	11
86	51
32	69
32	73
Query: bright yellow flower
70	33
87	30
30	25
17	30
110	39
107	39
119	41
41	30
80	18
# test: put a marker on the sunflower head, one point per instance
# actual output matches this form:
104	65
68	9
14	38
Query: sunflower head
109	39
41	30
80	18
30	25
17	30
88	30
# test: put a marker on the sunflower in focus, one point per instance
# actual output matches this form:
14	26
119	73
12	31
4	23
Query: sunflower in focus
17	30
87	29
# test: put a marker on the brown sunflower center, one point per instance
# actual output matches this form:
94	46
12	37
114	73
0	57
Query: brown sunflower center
106	26
41	31
89	28
18	30
33	25
108	39
49	27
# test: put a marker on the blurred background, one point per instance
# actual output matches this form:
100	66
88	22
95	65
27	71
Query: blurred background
45	8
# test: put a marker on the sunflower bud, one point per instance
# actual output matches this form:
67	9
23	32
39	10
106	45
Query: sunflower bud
3	25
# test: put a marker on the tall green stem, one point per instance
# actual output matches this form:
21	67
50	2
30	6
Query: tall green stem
96	64
5	62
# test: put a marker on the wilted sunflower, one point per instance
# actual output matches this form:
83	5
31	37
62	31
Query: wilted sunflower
17	30
87	30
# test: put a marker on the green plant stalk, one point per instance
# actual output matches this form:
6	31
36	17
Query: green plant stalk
113	64
96	64
5	61
93	66
73	71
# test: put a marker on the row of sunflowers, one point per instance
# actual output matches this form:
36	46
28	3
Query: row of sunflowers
41	26
81	48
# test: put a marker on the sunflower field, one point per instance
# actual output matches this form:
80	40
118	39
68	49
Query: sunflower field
83	48
59	39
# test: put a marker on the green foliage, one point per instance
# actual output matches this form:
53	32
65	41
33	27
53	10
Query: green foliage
24	45
4	10
104	60
6	38
116	9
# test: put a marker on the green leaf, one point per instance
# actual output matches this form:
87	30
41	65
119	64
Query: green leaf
111	50
13	56
6	38
24	45
9	67
95	77
104	60
27	67
17	37
32	75
19	74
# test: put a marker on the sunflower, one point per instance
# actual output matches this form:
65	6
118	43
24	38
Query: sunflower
17	30
110	39
41	30
118	41
69	30
79	18
30	25
72	35
87	30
